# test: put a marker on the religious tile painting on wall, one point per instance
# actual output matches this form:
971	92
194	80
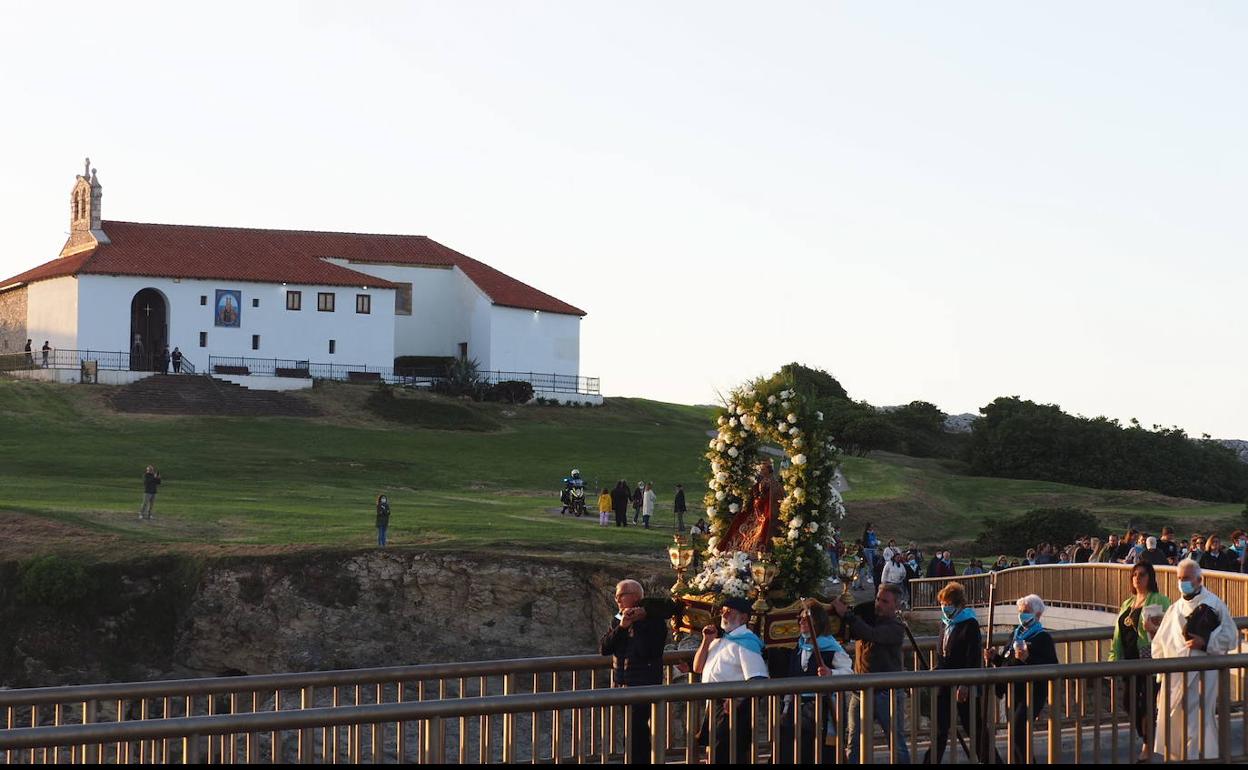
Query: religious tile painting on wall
229	308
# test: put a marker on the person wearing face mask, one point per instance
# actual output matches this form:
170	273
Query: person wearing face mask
1133	641
1217	558
879	633
816	630
1030	645
734	656
635	641
958	647
383	519
1197	624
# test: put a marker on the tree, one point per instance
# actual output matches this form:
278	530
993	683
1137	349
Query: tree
1059	526
817	383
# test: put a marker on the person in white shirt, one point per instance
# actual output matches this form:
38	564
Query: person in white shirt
734	657
1196	625
894	571
648	500
890	551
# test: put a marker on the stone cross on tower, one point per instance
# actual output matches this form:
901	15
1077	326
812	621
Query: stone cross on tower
86	168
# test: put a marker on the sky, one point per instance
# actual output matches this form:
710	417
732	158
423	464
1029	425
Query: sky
939	201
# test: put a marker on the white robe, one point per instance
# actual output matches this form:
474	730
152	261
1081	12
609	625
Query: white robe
1169	642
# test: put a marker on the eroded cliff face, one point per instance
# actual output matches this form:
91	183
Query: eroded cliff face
312	611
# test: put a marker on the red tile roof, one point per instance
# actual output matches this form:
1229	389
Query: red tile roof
275	256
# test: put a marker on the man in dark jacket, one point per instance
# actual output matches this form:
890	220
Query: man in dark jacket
678	508
151	480
636	639
1217	558
619	503
638	496
880	634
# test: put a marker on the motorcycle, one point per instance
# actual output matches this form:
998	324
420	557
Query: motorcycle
573	497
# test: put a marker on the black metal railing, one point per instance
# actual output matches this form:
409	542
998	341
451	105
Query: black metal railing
412	377
101	360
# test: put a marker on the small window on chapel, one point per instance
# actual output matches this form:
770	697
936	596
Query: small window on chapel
332	345
255	342
203	339
325	301
203	299
255	302
294	300
403	299
363	303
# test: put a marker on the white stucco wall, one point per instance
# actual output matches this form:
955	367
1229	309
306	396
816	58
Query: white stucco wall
531	341
52	313
439	319
104	320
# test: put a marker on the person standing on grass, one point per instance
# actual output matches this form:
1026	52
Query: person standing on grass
619	503
648	500
639	495
604	508
383	519
679	509
151	480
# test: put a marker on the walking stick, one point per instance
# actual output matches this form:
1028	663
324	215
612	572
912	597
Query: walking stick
990	696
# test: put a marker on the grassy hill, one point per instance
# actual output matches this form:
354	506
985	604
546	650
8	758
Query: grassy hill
70	471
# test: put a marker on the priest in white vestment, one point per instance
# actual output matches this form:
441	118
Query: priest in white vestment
1171	641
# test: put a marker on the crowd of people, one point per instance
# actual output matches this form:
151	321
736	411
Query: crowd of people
1148	625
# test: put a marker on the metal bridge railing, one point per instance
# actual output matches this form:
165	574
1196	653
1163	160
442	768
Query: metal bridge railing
559	709
1100	587
1079	722
103	360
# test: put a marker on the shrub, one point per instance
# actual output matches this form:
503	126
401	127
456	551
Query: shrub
1059	526
53	581
510	392
463	378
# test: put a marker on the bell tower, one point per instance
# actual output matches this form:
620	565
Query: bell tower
85	231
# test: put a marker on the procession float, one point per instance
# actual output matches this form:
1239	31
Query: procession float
771	505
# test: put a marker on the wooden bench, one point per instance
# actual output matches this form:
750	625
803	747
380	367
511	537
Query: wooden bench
285	371
363	376
223	369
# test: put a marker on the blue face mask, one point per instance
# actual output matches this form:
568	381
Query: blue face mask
1139	549
1025	618
949	610
1186	587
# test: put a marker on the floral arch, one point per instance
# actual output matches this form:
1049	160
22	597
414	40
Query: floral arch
772	413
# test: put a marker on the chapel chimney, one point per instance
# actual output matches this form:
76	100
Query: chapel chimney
85	218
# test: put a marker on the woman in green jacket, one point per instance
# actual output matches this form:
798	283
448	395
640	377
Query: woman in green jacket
1138	619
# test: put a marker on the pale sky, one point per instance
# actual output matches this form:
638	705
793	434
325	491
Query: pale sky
939	201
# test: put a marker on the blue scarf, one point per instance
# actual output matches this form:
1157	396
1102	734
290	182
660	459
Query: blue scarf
1022	635
826	644
964	615
749	640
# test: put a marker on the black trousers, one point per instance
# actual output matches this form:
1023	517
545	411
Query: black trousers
1144	716
621	517
639	731
810	732
1019	722
743	715
945	707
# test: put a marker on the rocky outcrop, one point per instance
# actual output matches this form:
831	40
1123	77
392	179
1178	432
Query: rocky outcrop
314	611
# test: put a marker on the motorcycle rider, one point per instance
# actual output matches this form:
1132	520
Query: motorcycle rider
573	494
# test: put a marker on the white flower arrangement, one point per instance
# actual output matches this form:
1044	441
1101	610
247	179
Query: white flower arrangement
769	412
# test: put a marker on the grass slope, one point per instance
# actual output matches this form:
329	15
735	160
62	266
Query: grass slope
70	478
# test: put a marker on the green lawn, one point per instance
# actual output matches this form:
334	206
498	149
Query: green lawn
67	461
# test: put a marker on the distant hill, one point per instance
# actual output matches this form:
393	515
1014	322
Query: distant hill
1238	445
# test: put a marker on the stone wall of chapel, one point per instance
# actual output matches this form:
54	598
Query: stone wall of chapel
13	321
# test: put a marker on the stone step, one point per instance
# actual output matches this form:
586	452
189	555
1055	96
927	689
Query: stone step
202	395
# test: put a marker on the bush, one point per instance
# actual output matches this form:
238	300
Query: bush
463	378
53	581
510	392
1059	526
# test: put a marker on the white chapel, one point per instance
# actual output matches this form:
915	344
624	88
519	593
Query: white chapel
341	298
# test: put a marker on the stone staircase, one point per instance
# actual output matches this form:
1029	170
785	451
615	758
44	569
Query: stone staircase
202	395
